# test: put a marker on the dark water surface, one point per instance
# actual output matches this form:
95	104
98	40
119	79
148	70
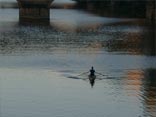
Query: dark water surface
36	63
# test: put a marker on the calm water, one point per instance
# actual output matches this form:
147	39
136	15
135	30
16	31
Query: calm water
36	62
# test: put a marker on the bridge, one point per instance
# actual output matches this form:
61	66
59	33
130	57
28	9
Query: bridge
39	10
34	11
135	8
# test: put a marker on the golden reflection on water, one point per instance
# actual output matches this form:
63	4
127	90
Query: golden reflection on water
143	84
74	26
149	93
133	82
135	76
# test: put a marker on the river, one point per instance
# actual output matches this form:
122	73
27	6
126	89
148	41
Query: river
37	62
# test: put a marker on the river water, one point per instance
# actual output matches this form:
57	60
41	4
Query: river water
37	62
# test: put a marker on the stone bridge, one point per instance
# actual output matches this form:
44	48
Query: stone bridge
135	8
34	11
39	10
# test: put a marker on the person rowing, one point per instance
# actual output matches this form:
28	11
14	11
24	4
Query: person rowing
92	76
92	72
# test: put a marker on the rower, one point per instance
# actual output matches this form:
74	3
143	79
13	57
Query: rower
92	72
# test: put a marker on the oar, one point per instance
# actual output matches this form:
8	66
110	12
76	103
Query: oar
83	73
101	74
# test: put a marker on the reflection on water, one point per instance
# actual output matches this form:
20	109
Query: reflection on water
143	85
109	34
149	93
35	62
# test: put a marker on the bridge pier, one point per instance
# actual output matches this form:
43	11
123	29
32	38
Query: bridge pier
34	11
151	12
